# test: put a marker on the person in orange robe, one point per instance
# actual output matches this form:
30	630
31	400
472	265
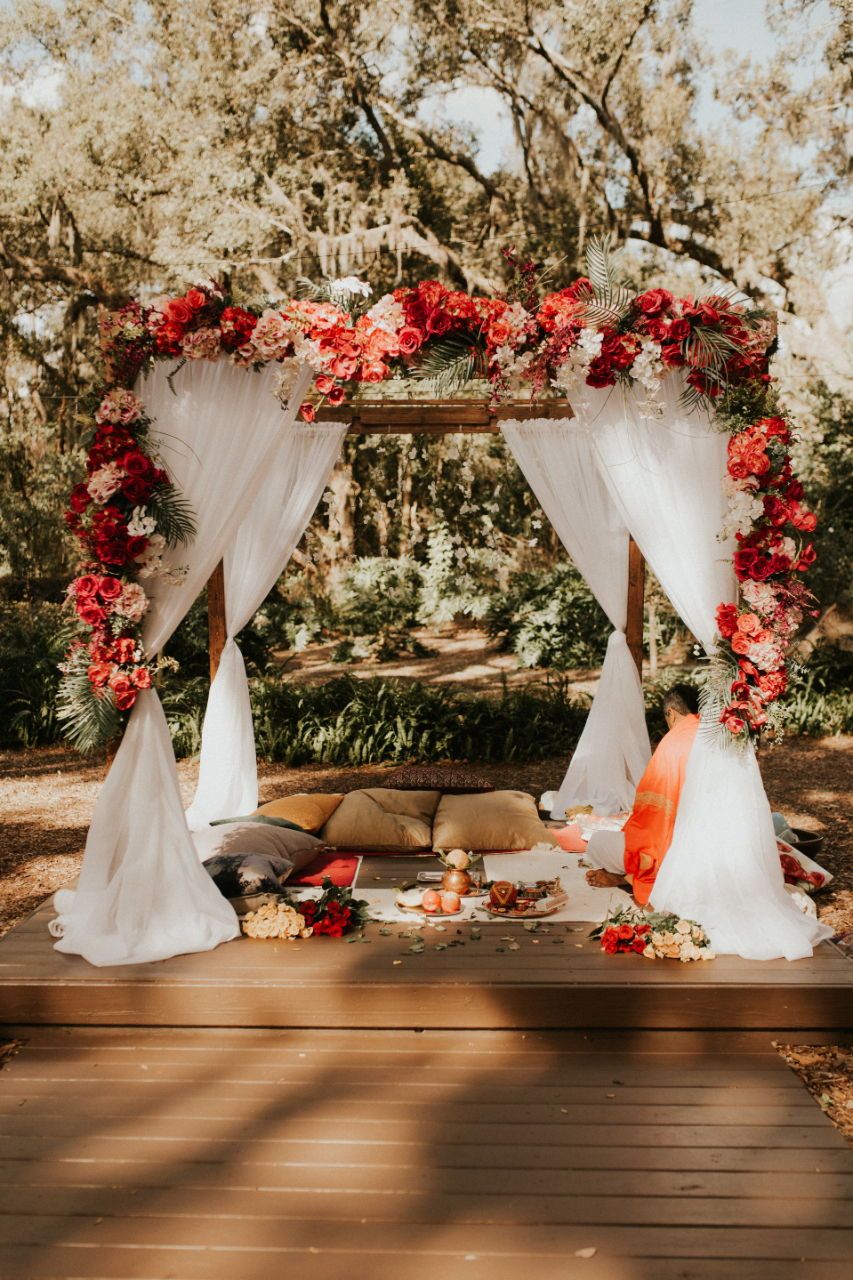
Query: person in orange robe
648	832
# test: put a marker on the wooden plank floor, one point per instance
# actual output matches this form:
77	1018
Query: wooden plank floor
505	977
375	1154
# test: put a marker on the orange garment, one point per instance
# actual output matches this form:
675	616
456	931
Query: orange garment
648	831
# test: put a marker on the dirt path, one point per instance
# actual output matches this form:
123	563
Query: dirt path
47	797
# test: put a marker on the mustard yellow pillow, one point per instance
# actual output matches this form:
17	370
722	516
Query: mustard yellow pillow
308	811
381	820
504	820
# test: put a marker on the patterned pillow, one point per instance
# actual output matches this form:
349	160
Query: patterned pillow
452	779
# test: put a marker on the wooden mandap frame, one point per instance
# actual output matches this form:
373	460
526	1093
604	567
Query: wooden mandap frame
439	418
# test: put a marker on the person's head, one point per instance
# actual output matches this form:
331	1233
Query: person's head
679	701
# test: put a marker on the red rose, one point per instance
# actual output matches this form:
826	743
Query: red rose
86	586
123	692
177	313
92	614
409	339
135	547
679	330
808	555
135	489
438	322
744	562
600	373
654	301
99	673
740	643
195	298
336	394
639	945
110	588
136	463
658	330
141	678
307	411
670	354
324	383
626	931
726	619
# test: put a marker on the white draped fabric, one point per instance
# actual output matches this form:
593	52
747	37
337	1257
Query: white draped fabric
558	461
295	478
722	867
142	894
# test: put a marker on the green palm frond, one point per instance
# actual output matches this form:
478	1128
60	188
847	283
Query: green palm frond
450	363
607	301
173	513
89	721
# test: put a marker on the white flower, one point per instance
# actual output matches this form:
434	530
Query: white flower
150	561
744	509
766	655
386	313
104	482
140	524
351	285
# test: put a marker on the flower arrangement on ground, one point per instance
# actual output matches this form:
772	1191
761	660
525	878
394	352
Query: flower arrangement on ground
656	936
593	333
333	914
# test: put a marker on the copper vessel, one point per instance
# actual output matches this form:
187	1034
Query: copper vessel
456	881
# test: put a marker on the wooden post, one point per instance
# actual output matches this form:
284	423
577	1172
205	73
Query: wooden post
216	617
636	587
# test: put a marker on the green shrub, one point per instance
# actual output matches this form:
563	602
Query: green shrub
550	620
351	721
33	639
821	700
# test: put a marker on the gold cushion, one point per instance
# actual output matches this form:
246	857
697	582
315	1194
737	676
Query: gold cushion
308	811
381	820
505	820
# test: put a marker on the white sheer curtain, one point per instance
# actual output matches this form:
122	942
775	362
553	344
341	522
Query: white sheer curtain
142	894
722	867
265	541
558	462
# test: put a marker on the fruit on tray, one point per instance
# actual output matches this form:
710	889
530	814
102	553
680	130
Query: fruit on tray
450	902
431	900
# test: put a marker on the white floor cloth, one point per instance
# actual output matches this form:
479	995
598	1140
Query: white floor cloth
142	894
722	867
585	904
294	480
558	461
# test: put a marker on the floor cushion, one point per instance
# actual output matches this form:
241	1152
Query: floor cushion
447	778
503	820
382	820
308	811
238	838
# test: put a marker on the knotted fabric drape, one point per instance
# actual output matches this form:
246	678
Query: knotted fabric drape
295	478
142	894
558	461
722	868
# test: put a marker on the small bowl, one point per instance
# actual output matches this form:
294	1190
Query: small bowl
808	842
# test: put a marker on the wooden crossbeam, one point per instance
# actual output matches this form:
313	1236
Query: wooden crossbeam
438	418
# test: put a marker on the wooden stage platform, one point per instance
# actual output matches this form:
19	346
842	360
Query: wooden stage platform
491	1105
489	976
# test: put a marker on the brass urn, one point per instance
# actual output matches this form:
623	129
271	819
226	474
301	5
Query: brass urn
456	881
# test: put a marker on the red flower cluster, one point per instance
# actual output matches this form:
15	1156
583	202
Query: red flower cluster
333	919
769	557
626	937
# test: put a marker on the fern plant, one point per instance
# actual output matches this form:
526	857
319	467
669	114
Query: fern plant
90	718
450	363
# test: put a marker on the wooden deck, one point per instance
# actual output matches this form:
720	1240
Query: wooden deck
249	1154
505	978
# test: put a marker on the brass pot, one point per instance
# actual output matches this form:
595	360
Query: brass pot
456	881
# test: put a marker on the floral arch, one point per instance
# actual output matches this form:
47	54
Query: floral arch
527	346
